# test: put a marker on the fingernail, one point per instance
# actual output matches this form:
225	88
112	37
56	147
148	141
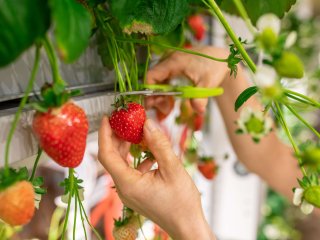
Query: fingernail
150	125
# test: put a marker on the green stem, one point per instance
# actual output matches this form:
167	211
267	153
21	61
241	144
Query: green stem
213	5
83	226
147	65
35	164
53	60
140	41
299	99
20	108
243	13
315	103
75	218
86	217
287	131
71	191
294	112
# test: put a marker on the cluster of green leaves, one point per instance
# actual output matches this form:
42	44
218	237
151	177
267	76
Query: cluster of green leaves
25	22
234	58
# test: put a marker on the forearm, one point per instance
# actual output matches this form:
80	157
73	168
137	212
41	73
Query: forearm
271	159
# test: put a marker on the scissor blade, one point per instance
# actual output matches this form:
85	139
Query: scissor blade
150	93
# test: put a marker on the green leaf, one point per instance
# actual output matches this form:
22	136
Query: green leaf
21	23
149	16
257	8
244	96
72	23
175	38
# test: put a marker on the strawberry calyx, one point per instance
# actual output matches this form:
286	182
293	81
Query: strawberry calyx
125	219
13	177
121	102
206	159
18	175
53	96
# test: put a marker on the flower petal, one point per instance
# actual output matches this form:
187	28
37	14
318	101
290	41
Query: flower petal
269	20
291	39
265	76
306	207
297	196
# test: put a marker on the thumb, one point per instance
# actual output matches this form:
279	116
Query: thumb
160	147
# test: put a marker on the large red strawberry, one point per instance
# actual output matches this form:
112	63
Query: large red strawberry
127	121
207	167
17	203
62	133
197	25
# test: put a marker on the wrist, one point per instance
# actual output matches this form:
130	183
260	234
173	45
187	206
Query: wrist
193	228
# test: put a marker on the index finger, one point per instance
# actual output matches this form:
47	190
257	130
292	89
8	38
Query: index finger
164	70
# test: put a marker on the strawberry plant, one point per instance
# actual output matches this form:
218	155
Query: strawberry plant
121	28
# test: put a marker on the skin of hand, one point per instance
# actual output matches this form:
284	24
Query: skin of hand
272	160
166	195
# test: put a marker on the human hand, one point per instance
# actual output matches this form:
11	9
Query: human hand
201	71
166	195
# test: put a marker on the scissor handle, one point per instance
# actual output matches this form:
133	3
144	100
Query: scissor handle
187	91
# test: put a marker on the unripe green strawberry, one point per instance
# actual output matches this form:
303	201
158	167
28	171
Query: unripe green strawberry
289	65
312	195
311	157
268	38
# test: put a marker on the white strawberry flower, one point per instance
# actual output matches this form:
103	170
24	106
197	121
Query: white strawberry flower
266	81
265	76
298	200
269	21
255	123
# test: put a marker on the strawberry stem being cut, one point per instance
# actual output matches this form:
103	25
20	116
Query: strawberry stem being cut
21	107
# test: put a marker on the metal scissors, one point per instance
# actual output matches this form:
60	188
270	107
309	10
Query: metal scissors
179	91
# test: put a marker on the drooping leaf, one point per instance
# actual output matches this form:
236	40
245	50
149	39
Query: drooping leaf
244	96
257	8
149	16
21	23
72	23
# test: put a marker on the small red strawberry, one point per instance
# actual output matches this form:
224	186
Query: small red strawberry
127	121
208	167
126	229
197	25
62	133
17	203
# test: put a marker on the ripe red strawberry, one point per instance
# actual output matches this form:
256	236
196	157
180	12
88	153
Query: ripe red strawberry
126	229
62	133
17	203
197	25
208	167
127	122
